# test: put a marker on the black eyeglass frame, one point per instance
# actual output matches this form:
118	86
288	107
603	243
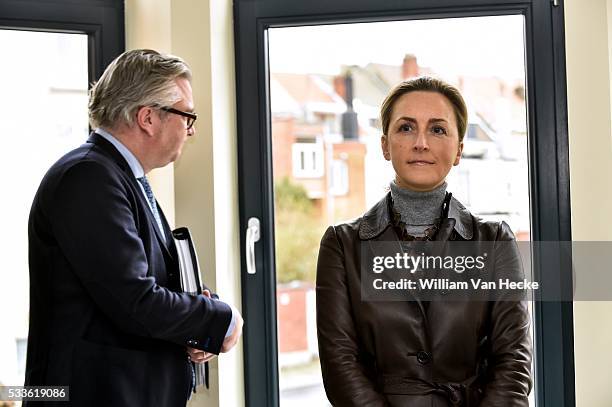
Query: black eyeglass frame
191	117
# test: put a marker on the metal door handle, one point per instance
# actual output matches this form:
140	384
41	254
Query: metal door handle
252	236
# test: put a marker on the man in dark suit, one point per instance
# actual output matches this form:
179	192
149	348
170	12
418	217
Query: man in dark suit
107	317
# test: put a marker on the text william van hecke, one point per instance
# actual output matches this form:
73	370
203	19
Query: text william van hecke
447	284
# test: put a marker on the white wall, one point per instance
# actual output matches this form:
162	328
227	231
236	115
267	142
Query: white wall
140	17
202	186
588	26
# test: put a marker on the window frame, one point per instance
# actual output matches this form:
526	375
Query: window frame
311	155
339	177
549	178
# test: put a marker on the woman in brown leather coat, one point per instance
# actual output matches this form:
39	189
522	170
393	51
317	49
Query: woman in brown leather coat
418	353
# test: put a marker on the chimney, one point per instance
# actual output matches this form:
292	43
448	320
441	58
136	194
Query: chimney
339	86
350	127
410	67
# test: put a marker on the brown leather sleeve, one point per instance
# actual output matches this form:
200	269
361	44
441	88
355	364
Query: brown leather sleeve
344	377
511	349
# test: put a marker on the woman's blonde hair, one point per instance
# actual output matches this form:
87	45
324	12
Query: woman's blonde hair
136	78
426	84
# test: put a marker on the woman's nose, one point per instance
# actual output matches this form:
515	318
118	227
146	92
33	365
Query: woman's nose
420	144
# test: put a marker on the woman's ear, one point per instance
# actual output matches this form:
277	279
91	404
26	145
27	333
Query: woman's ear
459	152
145	119
384	144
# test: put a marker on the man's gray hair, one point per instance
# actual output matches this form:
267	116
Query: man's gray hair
136	78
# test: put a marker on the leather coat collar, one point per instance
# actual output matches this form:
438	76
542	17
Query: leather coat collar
377	219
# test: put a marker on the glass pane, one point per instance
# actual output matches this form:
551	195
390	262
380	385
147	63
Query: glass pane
310	99
43	79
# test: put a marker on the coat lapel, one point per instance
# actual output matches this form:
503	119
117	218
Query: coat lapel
168	233
116	156
160	234
386	237
376	226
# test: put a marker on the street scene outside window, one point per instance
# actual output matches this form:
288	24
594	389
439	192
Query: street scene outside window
327	84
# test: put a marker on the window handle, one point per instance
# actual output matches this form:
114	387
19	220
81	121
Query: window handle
252	236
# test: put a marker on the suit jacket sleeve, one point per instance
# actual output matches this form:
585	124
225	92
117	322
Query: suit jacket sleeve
344	376
93	218
510	343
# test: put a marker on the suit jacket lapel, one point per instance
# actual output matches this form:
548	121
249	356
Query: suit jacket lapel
160	234
168	233
110	150
118	158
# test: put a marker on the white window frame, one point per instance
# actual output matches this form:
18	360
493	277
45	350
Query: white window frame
339	178
307	160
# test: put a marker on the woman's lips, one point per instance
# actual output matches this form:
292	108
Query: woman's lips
420	162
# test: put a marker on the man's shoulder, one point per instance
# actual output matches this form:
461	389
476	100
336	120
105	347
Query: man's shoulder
81	171
85	158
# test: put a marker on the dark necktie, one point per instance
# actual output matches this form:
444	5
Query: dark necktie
153	204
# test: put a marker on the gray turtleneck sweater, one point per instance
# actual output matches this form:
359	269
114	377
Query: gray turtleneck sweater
418	210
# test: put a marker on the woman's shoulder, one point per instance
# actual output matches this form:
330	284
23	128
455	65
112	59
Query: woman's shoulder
346	227
474	227
365	226
492	230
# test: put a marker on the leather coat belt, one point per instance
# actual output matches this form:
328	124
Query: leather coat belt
458	394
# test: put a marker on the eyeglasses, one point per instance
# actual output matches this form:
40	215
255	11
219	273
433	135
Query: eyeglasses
191	117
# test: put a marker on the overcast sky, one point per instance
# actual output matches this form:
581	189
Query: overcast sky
479	46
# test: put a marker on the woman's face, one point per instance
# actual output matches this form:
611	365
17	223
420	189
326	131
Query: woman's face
422	141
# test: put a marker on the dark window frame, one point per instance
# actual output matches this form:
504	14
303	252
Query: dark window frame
549	178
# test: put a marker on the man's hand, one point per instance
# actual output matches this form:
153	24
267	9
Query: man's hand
231	340
228	343
199	356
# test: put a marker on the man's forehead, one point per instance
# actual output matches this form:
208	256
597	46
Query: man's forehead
186	96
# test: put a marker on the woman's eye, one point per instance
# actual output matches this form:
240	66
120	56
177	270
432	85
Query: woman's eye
405	127
438	130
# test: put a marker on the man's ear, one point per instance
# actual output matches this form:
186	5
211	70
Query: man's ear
384	144
459	152
145	119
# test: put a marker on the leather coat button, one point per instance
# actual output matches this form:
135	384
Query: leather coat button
423	357
192	342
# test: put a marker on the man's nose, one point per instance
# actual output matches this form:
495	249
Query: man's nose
191	131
